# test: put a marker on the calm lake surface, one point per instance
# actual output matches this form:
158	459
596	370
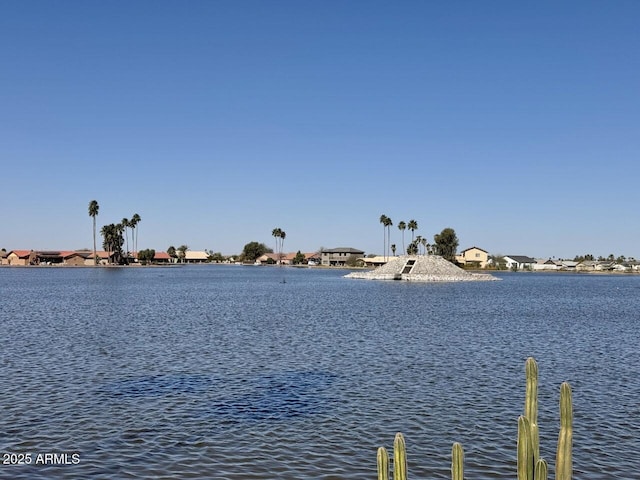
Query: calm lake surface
226	372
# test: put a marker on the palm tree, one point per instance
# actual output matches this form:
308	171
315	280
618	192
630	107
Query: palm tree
93	213
393	249
182	252
171	251
125	224
276	233
383	221
402	227
135	220
283	235
418	242
388	225
413	226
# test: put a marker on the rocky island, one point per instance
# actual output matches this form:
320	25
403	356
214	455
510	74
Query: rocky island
421	268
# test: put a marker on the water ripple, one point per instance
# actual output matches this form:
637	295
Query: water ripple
226	373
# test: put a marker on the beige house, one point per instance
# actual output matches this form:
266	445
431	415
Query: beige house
20	257
337	257
195	256
473	257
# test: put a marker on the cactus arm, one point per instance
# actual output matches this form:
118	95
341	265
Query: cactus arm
564	465
525	450
383	464
531	405
457	462
542	470
399	458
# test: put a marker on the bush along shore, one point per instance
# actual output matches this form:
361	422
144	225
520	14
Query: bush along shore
530	465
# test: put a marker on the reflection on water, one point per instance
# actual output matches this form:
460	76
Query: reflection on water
228	373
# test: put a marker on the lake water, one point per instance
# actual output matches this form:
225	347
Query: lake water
226	372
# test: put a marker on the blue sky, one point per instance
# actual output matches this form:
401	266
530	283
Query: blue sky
515	123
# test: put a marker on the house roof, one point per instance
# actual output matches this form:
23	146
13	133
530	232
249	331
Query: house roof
82	253
521	258
161	256
195	255
20	253
355	251
474	248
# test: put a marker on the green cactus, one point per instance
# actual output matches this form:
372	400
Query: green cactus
383	464
399	458
531	405
530	465
564	465
525	450
457	462
542	470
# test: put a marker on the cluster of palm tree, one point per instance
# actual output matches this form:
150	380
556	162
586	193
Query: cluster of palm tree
133	225
387	223
413	247
112	241
112	234
279	235
420	246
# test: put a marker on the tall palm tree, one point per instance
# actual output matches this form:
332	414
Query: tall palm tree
388	224
383	221
413	226
93	213
402	227
125	224
277	234
283	235
135	220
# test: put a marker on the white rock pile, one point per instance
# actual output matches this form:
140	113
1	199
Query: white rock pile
427	268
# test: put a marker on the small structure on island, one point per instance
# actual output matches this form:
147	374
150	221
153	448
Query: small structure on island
421	268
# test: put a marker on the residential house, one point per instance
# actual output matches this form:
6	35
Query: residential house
21	257
81	257
567	265
473	257
162	257
595	266
195	256
312	258
337	257
545	265
519	262
268	258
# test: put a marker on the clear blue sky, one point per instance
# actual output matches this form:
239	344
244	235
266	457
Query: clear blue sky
515	123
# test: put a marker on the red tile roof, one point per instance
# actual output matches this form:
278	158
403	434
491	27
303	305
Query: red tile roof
20	253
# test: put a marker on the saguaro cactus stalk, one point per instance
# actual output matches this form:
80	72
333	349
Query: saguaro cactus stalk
457	462
383	464
399	458
564	464
525	450
531	404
